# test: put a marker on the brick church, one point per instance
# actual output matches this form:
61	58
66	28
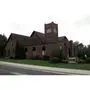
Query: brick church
40	44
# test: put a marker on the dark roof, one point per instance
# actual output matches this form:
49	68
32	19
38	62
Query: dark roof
25	40
51	23
31	41
40	35
19	37
37	40
63	38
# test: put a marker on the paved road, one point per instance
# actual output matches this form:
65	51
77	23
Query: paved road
12	70
5	72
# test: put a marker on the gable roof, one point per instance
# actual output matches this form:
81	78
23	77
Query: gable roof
24	40
40	35
37	40
62	39
51	23
18	36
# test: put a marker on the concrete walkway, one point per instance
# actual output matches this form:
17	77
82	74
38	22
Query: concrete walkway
48	69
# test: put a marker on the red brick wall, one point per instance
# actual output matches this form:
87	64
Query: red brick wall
10	47
52	36
38	50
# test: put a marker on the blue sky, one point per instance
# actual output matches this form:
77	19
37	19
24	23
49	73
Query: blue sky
24	16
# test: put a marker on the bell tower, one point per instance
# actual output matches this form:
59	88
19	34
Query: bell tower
51	32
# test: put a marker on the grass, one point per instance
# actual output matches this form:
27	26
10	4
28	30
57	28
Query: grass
46	63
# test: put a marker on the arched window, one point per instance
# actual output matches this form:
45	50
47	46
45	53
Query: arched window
60	47
26	49
43	50
34	49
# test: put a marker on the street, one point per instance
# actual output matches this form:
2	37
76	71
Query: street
12	70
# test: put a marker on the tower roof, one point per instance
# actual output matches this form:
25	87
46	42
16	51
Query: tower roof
51	23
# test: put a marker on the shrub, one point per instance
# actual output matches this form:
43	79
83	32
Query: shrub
33	58
54	60
36	57
84	60
11	57
64	61
80	61
87	60
46	57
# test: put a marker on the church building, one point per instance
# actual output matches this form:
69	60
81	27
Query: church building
40	44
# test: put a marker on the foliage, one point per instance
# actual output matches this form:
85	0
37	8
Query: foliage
82	51
36	58
54	60
65	61
81	54
87	60
45	57
88	51
76	43
3	40
81	61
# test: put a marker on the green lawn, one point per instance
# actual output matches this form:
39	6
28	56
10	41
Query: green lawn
46	63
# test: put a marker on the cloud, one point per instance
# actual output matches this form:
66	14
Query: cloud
84	21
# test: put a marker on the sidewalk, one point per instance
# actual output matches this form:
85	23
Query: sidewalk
47	69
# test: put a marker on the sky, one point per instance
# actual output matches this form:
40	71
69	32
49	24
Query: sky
25	16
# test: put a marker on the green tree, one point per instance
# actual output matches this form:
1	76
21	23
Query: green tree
88	51
3	40
76	43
